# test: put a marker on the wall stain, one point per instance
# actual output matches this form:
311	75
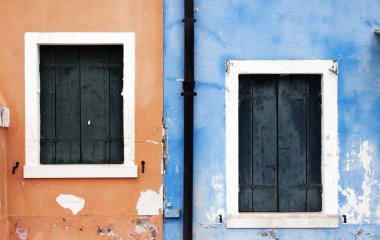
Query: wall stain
143	225
21	233
228	66
357	235
108	232
271	234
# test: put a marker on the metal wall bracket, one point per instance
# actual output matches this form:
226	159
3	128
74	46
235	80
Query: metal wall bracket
172	213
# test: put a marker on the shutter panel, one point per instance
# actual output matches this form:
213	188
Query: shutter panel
258	153
67	105
299	143
116	104
314	146
47	105
292	144
245	144
95	105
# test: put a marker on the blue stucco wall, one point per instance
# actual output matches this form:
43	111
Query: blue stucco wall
287	29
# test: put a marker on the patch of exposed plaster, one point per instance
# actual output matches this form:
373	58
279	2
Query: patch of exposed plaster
228	66
358	207
21	233
153	142
359	234
217	182
150	202
108	232
143	225
69	201
140	229
214	216
270	234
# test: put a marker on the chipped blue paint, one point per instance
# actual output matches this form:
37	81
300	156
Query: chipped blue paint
287	29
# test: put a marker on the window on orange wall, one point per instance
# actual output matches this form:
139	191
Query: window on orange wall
81	104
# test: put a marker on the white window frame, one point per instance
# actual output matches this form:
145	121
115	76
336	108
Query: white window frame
33	168
328	217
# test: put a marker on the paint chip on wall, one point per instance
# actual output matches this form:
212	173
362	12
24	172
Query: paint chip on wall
150	202
74	203
21	233
4	116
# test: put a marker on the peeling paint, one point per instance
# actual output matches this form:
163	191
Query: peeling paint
214	216
164	147
143	225
150	202
214	219
21	233
74	203
359	234
228	66
108	232
270	234
153	142
358	207
217	182
140	229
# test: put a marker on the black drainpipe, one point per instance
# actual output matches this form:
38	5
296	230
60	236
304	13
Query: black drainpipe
188	94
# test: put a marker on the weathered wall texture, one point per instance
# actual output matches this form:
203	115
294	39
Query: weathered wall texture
263	30
109	208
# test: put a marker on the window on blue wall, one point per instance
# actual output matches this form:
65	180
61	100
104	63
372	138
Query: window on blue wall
280	143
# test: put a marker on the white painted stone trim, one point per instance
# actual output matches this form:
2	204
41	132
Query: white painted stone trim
328	218
33	168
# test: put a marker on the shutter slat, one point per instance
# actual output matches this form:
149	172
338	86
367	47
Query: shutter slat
67	105
245	145
116	104
314	199
47	104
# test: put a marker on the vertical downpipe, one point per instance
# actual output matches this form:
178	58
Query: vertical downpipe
188	94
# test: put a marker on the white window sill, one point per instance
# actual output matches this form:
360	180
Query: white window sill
283	220
81	171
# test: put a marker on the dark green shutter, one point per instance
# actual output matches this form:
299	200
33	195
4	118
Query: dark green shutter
47	106
81	104
257	143
279	143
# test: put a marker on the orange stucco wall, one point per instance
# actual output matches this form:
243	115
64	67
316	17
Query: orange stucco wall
109	203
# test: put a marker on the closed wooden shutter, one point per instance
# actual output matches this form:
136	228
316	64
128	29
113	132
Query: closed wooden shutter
81	104
279	143
258	143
